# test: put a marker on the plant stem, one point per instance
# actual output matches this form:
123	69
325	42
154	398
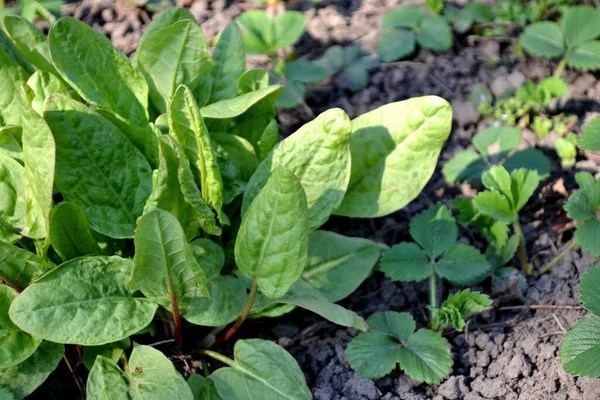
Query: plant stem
522	252
559	257
12	285
245	312
560	68
218	357
125	364
75	378
432	296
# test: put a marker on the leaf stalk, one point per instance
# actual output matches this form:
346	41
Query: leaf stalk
432	296
559	257
560	68
522	251
218	357
245	312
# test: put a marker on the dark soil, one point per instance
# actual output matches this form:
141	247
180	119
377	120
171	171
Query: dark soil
504	354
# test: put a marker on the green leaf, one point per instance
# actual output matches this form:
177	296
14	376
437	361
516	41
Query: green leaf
463	265
404	141
556	87
230	62
12	94
466	303
251	80
7	47
257	32
579	208
10	142
531	159
165	270
70	233
202	388
292	94
373	355
580	349
523	184
304	71
301	294
588	291
406	262
237	162
499	180
405	17
585	57
590	135
261	370
104	173
44	84
6	394
30	41
187	126
12	206
22	379
20	266
426	357
434	33
434	230
112	351
480	12
466	165
267	140
396	45
84	301
235	107
588	237
496	143
227	293
272	242
338	264
581	23
399	325
106	381
172	56
288	27
543	39
16	345
99	73
589	187
318	153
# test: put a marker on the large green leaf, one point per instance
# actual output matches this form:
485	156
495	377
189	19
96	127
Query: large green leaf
318	154
107	381
588	237
97	167
187	126
230	62
30	41
406	262
495	143
19	266
165	270
272	243
12	203
261	370
463	265
235	107
434	230
202	388
83	301
44	84
99	73
373	355
10	142
172	56
544	39
227	293
25	377
7	47
425	357
70	233
338	264
163	20
16	345
581	23
580	349
588	291
394	153
12	95
585	56
301	294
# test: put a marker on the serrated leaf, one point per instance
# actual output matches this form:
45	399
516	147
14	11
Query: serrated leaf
338	264
585	57
272	243
261	370
462	265
468	302
396	45
588	291
304	71
588	237
523	184
434	33
579	208
105	174
405	17
287	27
496	143
257	32
434	230
16	345
165	270
406	262
590	135
84	301
495	205
580	349
581	23
101	75
426	357
230	62
30	41
319	154
466	165
556	87
543	39
112	351
589	187
172	56
70	233
399	325
22	379
373	355
405	139
202	388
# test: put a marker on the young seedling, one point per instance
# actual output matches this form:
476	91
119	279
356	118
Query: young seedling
494	146
436	253
406	27
458	307
505	196
350	65
589	139
582	207
574	40
464	19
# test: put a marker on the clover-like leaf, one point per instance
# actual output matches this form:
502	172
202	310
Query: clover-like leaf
396	45
272	242
405	17
588	237
588	291
406	262
581	23
496	143
84	301
590	135
261	369
544	39
434	230
585	57
263	35
580	349
434	33
462	265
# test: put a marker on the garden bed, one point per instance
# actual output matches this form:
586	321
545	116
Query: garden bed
505	353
